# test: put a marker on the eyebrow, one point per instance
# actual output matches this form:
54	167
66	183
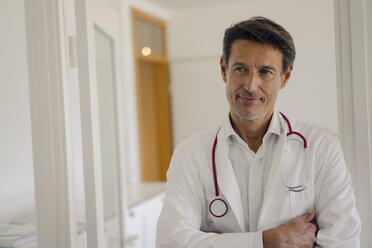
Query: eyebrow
239	64
267	67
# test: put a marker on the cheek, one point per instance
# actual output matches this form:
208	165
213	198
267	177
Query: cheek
229	92
272	93
234	83
271	88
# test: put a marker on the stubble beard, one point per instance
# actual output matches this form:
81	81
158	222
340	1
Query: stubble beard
245	116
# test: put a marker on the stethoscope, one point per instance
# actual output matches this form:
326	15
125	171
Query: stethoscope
218	207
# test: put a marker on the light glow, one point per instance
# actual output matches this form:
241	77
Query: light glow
146	51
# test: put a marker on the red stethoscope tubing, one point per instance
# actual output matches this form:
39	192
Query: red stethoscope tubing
214	165
218	199
291	132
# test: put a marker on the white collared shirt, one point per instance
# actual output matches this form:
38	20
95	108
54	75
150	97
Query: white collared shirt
251	169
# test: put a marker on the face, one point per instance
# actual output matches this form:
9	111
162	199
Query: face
253	79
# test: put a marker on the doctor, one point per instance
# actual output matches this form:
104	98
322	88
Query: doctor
261	179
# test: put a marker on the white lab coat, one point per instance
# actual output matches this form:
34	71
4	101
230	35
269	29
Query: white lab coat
185	220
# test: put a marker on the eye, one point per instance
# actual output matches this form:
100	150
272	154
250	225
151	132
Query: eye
266	72
239	69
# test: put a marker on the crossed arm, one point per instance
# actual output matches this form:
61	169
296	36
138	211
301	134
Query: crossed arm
298	232
179	225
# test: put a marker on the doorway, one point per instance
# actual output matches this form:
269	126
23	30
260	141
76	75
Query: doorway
153	98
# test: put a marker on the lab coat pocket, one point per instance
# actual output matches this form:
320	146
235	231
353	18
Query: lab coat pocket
302	202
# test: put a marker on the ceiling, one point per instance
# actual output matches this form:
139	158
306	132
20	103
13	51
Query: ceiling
174	5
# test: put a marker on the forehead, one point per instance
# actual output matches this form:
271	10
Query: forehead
248	52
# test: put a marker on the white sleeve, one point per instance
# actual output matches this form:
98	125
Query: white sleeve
181	217
337	216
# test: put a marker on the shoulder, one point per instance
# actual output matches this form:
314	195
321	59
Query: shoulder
314	133
199	142
194	152
323	144
192	155
320	140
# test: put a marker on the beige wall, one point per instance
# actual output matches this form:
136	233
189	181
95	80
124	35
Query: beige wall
16	166
195	45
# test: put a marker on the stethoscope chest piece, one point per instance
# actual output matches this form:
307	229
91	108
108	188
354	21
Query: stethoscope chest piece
218	207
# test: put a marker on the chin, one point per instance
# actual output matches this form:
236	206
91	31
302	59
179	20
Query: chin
250	117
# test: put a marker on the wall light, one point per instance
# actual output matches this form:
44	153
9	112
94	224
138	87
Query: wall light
146	51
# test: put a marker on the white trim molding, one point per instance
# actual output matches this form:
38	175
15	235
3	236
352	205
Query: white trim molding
54	192
94	211
353	39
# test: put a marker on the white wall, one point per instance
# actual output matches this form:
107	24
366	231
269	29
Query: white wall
129	76
16	166
368	34
195	45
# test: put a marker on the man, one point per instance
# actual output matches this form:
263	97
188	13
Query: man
261	179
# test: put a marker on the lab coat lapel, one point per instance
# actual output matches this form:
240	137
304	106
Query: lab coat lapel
226	179
273	174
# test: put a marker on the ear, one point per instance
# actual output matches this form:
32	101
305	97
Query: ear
286	77
223	69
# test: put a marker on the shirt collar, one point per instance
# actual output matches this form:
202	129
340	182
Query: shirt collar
275	127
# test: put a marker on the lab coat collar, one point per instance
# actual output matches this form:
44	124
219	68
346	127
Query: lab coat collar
227	182
274	169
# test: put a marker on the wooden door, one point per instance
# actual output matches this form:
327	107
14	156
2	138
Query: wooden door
153	98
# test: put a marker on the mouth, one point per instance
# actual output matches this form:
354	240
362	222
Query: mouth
249	99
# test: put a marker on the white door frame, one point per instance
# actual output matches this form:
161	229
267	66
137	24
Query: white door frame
53	172
353	62
47	32
90	131
108	23
87	18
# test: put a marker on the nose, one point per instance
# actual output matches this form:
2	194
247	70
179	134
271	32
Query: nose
251	82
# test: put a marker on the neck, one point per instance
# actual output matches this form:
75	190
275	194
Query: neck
251	131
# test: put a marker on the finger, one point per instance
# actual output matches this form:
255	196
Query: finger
312	228
311	234
309	215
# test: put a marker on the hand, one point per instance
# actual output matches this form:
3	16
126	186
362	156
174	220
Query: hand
297	233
